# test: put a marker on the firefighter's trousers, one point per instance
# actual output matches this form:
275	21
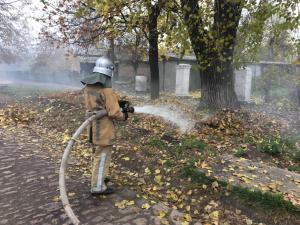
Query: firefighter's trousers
100	167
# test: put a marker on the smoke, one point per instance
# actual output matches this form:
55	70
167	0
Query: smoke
169	114
39	83
45	66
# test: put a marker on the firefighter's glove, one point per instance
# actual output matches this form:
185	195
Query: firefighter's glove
126	115
123	104
126	108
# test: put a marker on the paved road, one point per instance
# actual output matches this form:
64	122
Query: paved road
29	190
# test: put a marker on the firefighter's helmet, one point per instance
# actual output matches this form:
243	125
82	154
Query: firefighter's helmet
104	66
102	73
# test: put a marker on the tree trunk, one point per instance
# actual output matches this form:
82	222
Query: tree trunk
298	94
268	84
267	90
153	51
111	55
135	65
217	88
214	55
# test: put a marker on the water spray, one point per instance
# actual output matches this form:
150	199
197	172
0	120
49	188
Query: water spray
175	117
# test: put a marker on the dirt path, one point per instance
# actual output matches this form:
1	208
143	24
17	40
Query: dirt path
251	174
29	191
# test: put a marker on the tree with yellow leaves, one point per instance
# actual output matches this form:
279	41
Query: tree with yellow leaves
92	22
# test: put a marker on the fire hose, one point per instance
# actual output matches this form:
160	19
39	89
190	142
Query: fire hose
125	106
64	163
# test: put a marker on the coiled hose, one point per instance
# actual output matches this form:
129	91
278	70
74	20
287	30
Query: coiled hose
64	164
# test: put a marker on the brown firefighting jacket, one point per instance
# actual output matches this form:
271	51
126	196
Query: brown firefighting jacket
102	131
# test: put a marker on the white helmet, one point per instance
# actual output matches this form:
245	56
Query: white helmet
105	66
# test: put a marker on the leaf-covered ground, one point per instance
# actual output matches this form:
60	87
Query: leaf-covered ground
164	165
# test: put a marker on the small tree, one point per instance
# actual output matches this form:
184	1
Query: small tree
135	47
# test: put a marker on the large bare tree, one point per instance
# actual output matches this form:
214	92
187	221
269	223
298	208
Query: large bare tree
13	30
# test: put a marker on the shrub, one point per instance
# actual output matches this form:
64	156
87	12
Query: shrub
135	119
294	168
193	143
241	152
154	142
275	145
187	144
296	156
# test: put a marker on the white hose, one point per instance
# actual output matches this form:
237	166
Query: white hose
64	163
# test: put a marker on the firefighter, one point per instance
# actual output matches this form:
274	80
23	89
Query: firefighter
99	95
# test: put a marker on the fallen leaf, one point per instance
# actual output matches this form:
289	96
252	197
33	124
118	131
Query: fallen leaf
157	171
214	216
249	222
161	214
146	206
71	194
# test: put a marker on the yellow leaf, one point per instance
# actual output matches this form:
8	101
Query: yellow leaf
185	223
214	216
145	206
208	208
161	214
157	171
249	222
230	180
147	171
71	194
130	203
252	168
121	205
246	180
126	158
165	222
66	138
47	110
157	179
188	217
162	161
145	196
56	199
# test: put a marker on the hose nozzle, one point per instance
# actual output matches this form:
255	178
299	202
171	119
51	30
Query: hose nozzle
125	106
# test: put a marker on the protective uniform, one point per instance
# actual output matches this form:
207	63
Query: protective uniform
99	95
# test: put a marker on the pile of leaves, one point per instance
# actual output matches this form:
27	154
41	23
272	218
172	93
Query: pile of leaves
240	122
17	115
